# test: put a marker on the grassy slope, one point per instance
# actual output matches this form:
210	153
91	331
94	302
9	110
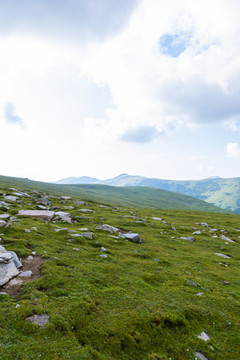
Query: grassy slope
135	304
220	192
142	197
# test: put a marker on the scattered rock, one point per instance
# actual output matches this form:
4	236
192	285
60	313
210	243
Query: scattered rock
39	320
88	235
103	249
103	255
203	336
2	223
197	232
204	224
30	258
44	201
64	216
41	207
200	356
11	198
40	214
86	210
134	237
223	256
75	249
223	237
4	216
80	203
174	229
191	283
200	294
107	227
188	238
65	198
27	230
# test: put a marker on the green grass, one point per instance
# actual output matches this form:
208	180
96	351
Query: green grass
134	304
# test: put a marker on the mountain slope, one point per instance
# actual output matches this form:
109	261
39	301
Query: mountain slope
140	197
224	193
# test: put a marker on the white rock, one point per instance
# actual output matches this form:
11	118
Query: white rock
156	218
223	237
203	336
223	255
26	273
64	216
7	267
200	356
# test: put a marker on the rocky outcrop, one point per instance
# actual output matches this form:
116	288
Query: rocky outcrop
7	266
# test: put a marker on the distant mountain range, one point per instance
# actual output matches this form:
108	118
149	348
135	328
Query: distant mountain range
221	192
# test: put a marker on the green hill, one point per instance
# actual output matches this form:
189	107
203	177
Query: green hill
224	193
140	197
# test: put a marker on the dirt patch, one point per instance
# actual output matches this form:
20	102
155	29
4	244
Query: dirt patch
34	264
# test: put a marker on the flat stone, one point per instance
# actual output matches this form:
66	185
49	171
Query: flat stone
103	255
15	282
223	237
79	202
191	283
197	232
204	224
40	214
4	216
39	320
156	218
10	198
41	207
65	198
223	256
26	273
188	238
86	210
106	227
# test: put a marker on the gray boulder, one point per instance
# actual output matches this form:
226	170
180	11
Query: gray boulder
188	238
40	214
64	216
107	227
7	267
134	237
16	260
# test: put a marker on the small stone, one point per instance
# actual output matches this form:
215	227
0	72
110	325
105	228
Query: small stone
188	238
197	232
34	252
27	230
103	255
191	283
2	223
88	235
75	249
103	249
30	258
17	306
39	320
26	273
156	218
200	294
4	216
200	356
106	227
174	229
204	224
223	237
203	336
223	255
86	210
65	198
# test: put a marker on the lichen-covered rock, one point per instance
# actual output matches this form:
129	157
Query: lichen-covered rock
39	320
7	267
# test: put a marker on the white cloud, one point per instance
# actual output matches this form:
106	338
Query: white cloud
233	150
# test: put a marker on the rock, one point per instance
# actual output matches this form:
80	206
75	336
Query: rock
200	356
204	224
10	198
197	232
15	282
75	235
34	228
191	283
103	249
223	256
134	237
80	203
224	232
27	230
30	258
26	273
2	223
103	255
3	293
65	198
107	227
44	201
64	216
68	207
4	216
3	204
75	249
40	214
88	235
16	260
188	238
156	218
7	267
223	237
200	294
83	229
39	320
174	229
203	336
103	206
41	207
86	210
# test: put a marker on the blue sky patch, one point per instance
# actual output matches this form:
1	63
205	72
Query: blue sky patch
173	44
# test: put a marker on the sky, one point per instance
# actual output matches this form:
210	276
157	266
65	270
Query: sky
103	87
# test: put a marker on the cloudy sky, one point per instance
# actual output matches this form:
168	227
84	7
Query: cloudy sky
102	87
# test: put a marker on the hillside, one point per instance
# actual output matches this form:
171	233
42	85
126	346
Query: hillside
224	193
84	293
140	197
